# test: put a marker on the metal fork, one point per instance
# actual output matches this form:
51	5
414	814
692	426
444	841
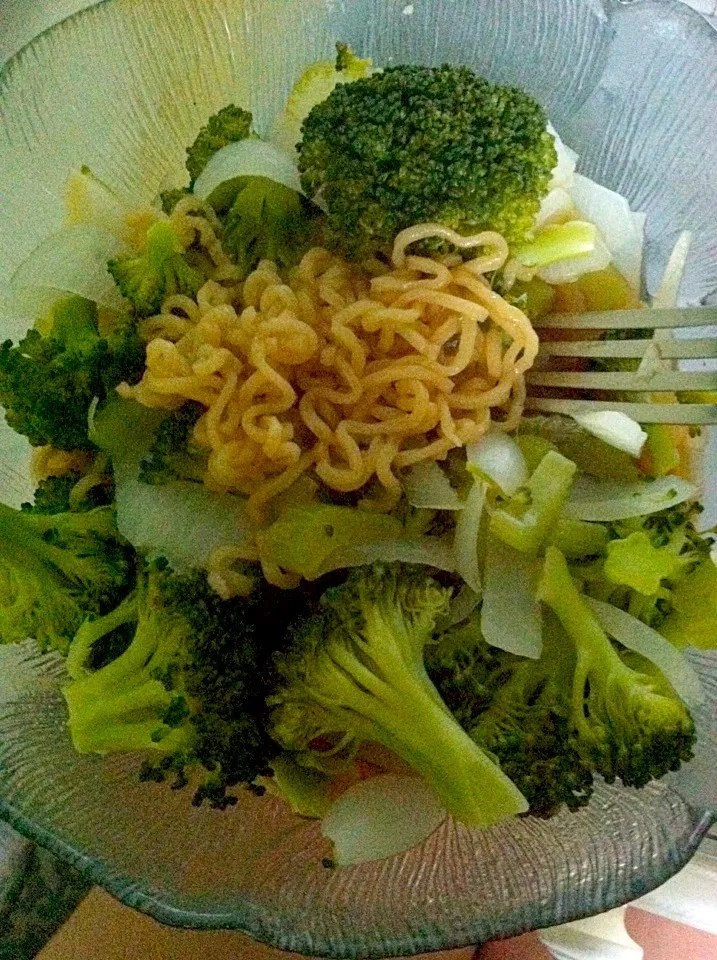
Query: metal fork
656	365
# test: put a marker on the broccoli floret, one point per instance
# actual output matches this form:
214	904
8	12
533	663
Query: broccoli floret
161	271
645	560
517	710
227	126
47	383
53	495
626	724
57	569
188	690
415	144
170	198
171	456
267	221
355	672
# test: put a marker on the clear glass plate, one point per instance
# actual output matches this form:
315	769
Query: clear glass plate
124	87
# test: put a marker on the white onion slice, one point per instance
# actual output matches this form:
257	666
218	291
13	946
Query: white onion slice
556	207
622	232
668	292
381	817
499	458
636	635
184	522
511	617
74	260
466	536
426	551
247	158
427	487
615	428
606	500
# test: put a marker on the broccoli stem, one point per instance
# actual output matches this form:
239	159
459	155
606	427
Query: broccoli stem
93	630
408	717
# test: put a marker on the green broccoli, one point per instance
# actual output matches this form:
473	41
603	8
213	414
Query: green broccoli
416	144
48	383
645	559
517	710
170	198
355	672
267	221
161	271
172	456
54	495
227	126
626	723
57	569
188	690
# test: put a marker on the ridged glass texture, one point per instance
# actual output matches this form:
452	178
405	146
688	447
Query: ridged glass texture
124	88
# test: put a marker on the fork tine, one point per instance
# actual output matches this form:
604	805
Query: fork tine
630	319
630	382
668	349
692	414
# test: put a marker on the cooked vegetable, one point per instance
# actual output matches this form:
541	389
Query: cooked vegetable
266	221
355	672
647	559
227	126
171	455
47	383
161	271
55	570
627	723
527	521
516	709
419	144
187	691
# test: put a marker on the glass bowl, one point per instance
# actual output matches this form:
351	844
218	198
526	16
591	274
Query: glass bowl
123	87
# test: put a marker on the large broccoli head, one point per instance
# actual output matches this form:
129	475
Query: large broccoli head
419	144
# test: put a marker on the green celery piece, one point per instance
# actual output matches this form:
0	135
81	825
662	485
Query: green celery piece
693	619
636	563
534	449
547	489
664	455
579	538
557	242
304	537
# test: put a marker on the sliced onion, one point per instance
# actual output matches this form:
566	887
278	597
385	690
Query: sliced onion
511	618
73	260
247	158
622	232
606	500
637	636
381	817
25	307
668	292
466	536
498	457
427	487
184	522
425	551
556	207
615	428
